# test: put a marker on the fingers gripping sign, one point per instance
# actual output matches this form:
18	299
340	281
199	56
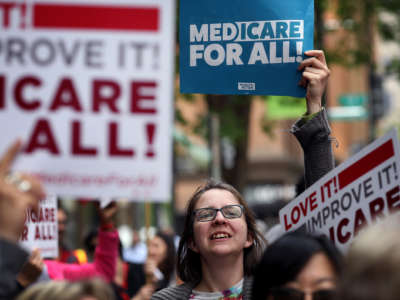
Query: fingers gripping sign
314	79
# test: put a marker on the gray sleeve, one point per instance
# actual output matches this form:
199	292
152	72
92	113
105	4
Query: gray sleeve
314	138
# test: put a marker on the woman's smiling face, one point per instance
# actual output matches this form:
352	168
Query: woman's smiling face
221	236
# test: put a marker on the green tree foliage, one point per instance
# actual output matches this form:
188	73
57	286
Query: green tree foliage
362	19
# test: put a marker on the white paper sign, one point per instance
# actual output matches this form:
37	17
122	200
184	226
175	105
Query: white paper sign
88	85
361	190
41	230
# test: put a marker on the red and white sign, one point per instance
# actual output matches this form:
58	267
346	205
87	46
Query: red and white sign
362	190
88	86
41	231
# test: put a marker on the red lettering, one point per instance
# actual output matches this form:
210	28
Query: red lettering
141	94
328	186
6	8
287	226
100	97
66	96
304	207
51	215
343	238
46	214
24	235
376	208
297	218
114	149
42	138
313	201
150	130
41	219
322	194
392	198
332	234
359	220
18	93
76	146
37	233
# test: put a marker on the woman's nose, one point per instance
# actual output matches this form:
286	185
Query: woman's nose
219	218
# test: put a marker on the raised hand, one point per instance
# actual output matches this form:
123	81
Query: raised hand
315	78
18	192
107	213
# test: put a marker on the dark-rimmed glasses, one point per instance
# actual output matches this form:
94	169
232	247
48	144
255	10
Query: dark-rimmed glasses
228	211
284	293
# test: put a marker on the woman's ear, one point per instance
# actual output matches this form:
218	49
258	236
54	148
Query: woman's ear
192	246
249	241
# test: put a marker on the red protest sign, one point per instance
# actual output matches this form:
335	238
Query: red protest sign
362	190
90	94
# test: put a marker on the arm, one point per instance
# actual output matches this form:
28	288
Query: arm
313	135
17	194
105	258
104	263
31	270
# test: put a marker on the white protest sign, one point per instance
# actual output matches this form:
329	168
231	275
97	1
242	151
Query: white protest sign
88	86
41	231
361	190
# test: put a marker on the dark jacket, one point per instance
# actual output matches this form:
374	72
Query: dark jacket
12	258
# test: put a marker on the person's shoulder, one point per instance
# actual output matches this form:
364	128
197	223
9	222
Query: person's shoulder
247	287
181	291
13	252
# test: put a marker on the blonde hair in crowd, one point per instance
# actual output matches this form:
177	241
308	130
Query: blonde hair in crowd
63	290
372	268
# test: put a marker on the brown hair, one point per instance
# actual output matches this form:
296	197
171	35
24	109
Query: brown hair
189	264
167	265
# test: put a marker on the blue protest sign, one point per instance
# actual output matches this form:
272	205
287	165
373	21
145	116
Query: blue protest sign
244	47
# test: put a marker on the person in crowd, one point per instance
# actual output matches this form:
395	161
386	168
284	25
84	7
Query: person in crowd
139	281
90	242
372	265
18	192
90	289
137	252
105	258
220	244
104	264
298	266
65	254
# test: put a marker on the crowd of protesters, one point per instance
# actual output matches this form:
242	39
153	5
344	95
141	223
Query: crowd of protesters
221	253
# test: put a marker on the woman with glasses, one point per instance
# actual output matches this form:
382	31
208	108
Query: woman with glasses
220	244
298	266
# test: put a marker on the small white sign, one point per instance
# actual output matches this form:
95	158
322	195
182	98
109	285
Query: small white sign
41	230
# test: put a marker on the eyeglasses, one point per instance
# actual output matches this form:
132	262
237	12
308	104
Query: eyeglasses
208	213
282	293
